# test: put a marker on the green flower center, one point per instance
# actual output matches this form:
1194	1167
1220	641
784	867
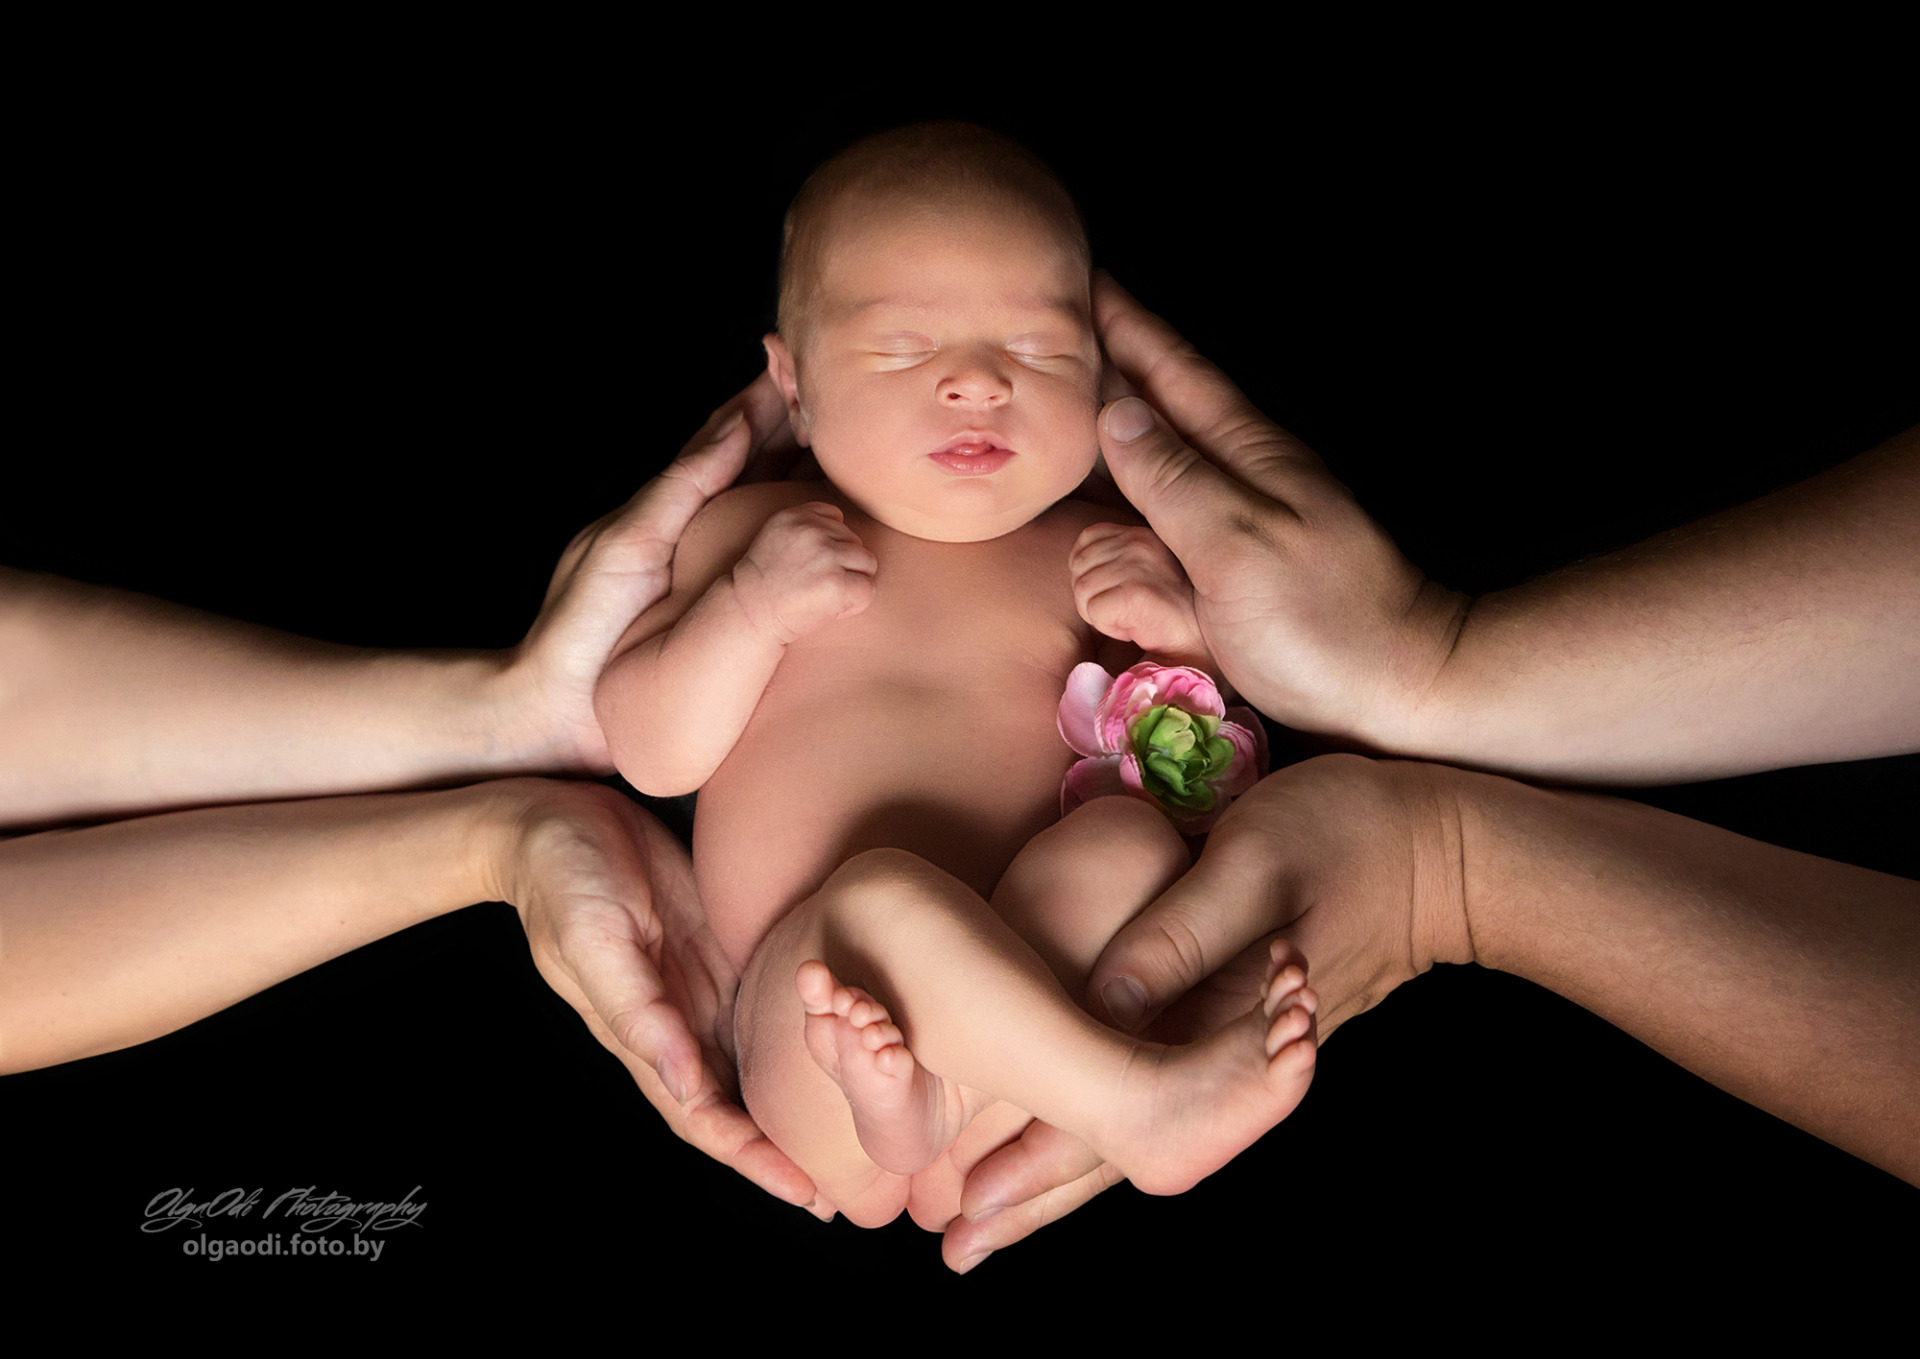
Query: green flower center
1178	753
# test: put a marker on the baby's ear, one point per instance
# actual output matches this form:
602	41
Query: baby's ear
780	367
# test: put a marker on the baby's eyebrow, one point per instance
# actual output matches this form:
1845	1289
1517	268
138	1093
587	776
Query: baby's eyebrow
1056	309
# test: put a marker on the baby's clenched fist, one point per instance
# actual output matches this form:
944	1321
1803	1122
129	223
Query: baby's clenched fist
804	569
1127	584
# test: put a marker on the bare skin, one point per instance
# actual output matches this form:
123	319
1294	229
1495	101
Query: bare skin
1377	871
825	670
1778	633
1712	650
982	1015
115	705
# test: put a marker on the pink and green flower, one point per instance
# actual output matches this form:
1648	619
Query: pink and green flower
1161	733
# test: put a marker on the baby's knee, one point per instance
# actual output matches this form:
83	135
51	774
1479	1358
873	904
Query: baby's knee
1129	826
1123	840
886	896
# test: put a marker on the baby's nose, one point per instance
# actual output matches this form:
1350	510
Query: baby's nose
975	384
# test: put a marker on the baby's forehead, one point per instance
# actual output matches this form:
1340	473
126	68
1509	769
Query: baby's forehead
918	252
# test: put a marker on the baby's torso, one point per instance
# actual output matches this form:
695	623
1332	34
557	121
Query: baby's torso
926	723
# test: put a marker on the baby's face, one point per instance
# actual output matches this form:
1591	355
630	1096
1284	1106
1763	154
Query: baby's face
952	379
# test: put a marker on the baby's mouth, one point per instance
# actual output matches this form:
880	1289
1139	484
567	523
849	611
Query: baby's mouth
972	454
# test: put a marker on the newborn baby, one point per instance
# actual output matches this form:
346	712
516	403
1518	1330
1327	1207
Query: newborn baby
863	678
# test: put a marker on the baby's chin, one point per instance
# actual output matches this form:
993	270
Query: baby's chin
950	528
961	515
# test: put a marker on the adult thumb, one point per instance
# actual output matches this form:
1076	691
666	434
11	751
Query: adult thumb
1184	497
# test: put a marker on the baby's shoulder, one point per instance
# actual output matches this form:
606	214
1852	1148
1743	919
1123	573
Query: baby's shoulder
726	524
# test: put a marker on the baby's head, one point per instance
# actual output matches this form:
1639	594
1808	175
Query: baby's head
936	343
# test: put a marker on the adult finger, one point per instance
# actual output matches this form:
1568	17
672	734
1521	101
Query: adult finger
1239	892
705	467
772	449
1205	407
623	1009
1038	1179
747	430
1041	1159
1186	499
714	1124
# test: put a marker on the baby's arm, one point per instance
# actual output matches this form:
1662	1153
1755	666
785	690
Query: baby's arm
684	680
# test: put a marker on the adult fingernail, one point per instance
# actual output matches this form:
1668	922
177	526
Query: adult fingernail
1126	1001
985	1213
972	1260
671	1079
728	426
1129	418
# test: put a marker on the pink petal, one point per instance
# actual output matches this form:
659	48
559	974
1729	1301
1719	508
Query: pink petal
1086	687
1249	719
1116	712
1092	778
1249	760
1190	690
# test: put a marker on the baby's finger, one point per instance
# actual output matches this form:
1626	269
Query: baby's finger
1097	544
855	557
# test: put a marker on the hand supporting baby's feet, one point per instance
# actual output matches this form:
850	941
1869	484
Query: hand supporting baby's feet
1188	1110
905	1115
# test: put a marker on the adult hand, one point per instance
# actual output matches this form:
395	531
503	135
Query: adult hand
617	929
1308	607
616	568
1355	861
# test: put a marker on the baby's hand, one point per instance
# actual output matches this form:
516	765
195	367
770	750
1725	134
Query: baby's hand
1129	585
806	568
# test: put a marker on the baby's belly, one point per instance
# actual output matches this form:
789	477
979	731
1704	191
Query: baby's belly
962	771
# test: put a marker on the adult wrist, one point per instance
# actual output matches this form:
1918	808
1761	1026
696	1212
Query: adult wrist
502	814
1418	709
1514	841
1441	805
514	721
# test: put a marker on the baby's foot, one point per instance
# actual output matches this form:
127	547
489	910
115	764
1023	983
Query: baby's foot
1188	1110
905	1115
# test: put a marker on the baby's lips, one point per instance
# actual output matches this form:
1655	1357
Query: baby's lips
974	443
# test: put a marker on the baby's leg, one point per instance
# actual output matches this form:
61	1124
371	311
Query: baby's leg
1077	882
823	1069
980	1008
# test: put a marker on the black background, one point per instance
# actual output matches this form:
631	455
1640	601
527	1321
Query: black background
355	355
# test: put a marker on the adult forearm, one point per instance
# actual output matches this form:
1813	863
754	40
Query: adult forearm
115	934
1790	981
1782	632
112	703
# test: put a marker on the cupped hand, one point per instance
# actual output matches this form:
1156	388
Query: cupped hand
1309	608
617	929
614	570
1355	862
